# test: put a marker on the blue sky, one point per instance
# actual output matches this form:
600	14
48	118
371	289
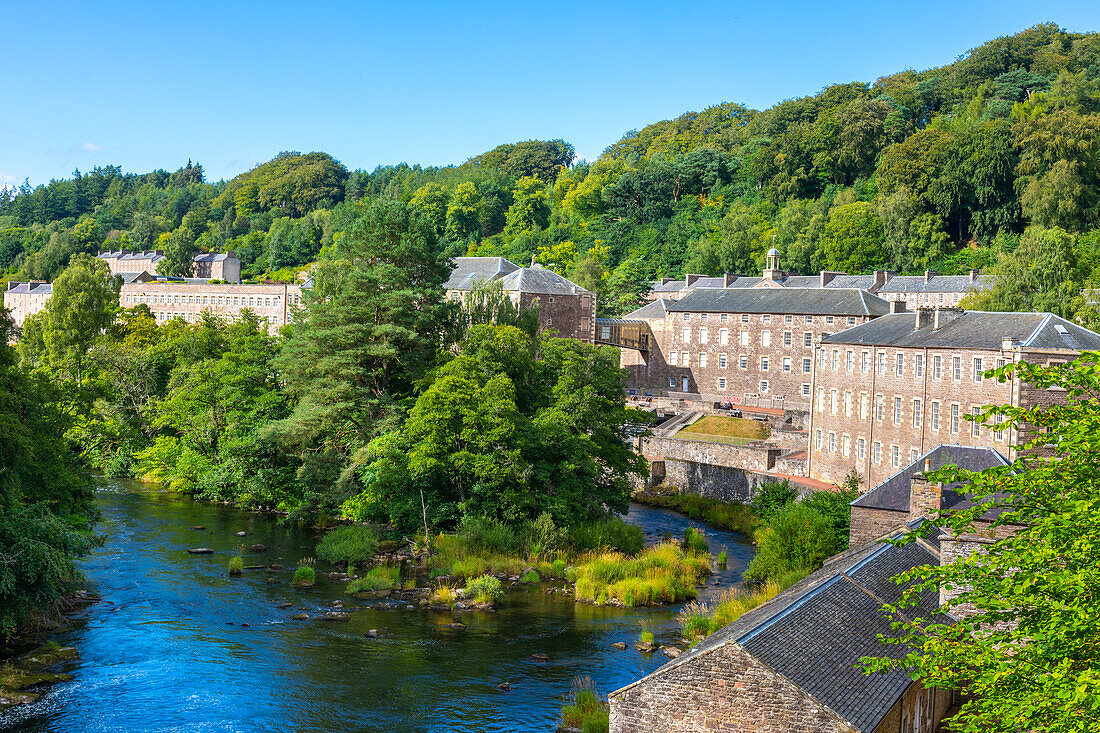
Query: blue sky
230	84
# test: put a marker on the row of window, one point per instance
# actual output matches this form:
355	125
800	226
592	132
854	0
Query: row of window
897	365
683	358
196	317
764	385
897	411
744	337
828	444
176	299
766	318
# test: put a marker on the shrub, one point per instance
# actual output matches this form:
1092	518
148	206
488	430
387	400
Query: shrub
661	574
772	498
585	709
481	534
353	544
382	577
545	536
444	594
485	589
304	576
530	577
611	533
798	537
557	568
695	540
722	558
836	506
236	565
646	636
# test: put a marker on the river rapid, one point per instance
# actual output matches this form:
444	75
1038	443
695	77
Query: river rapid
177	645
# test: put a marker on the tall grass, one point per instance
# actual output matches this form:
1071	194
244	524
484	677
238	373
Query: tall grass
660	574
611	533
354	545
382	577
585	708
236	565
695	540
304	576
485	589
698	620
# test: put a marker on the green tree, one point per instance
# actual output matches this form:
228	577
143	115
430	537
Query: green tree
852	239
431	201
1021	648
83	305
529	210
464	213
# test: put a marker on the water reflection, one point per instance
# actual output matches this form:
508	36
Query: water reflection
178	645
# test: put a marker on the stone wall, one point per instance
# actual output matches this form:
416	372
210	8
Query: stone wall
868	524
713	482
571	315
752	458
723	690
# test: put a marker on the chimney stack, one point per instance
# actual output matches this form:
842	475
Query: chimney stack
944	316
690	279
924	496
929	274
1009	343
974	275
924	318
897	306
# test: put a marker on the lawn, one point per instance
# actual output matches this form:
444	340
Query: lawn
716	427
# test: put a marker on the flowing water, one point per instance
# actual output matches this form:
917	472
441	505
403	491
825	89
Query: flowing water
177	645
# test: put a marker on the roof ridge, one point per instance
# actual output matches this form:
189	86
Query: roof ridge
1042	324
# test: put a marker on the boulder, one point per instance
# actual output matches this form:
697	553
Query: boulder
257	548
283	605
336	616
300	617
201	550
372	634
506	686
645	646
276	566
241	534
273	581
671	651
455	625
540	657
198	527
619	645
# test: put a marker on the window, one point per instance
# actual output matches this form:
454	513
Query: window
851	320
788	319
956	368
703	360
704	317
899	365
935	415
937	367
976	427
828	320
672	358
895	456
878	407
687	316
914	454
703	335
846	446
684	358
721	361
723	336
1000	363
807	365
721	382
744	318
685	335
724	317
767	319
882	362
877	452
918	367
978	370
817	439
744	338
832	442
805	389
865	362
820	399
809	319
763	363
916	413
764	386
861	449
786	338
832	401
850	360
998	434
672	381
765	338
786	365
807	339
836	360
897	411
743	362
862	405
847	404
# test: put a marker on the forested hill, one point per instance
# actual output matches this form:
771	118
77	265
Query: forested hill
992	161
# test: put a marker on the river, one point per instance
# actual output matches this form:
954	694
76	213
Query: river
177	645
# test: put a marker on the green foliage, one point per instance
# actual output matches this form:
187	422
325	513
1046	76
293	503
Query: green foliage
353	544
772	498
236	565
485	589
730	516
695	540
796	538
584	708
610	533
722	558
530	577
289	182
382	577
661	574
1032	591
836	507
304	576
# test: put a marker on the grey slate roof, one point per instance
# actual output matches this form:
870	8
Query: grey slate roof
815	632
539	281
472	271
893	493
970	330
654	310
802	301
33	288
935	284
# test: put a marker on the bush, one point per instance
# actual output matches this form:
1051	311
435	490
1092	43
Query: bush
353	544
382	577
444	594
557	568
611	533
485	589
585	709
722	558
661	574
304	576
545	536
798	537
772	498
236	565
530	577
836	506
695	540
482	534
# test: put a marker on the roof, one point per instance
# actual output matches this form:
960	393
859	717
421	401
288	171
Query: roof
30	287
808	301
472	271
935	284
655	309
214	256
815	632
893	493
540	281
970	330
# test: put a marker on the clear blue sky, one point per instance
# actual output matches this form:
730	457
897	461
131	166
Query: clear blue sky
230	84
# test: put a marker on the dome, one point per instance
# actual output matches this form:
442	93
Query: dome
773	252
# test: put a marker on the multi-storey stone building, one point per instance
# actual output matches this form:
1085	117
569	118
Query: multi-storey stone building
887	391
933	290
208	265
722	344
565	309
188	299
23	299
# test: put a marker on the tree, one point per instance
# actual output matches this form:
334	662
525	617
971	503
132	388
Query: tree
464	213
1022	646
83	305
852	240
529	210
431	201
179	254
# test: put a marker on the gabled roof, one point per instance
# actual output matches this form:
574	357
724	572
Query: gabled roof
970	330
893	493
470	272
539	281
654	310
935	284
802	301
815	632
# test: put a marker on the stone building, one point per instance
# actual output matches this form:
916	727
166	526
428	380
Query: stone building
933	290
24	299
792	664
887	391
565	309
188	298
208	265
721	344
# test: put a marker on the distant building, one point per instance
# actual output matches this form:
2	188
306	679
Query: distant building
933	290
793	663
166	298
208	265
887	391
565	308
24	299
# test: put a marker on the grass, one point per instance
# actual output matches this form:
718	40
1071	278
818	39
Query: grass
699	620
304	576
585	708
444	594
485	589
728	427
354	544
660	574
695	540
530	577
236	565
382	577
722	558
725	515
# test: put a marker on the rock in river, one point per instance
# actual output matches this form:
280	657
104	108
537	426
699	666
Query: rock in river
671	651
257	548
336	616
619	645
241	534
201	550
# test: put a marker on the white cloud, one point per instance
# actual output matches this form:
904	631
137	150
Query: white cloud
91	148
7	181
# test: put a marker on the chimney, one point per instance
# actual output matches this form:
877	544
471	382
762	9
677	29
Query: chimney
974	275
690	279
881	276
942	316
924	318
1009	343
897	306
929	274
827	277
727	279
924	496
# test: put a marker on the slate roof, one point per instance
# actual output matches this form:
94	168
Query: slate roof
970	330
472	271
935	284
803	301
214	256
815	632
893	493
654	310
539	281
32	288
